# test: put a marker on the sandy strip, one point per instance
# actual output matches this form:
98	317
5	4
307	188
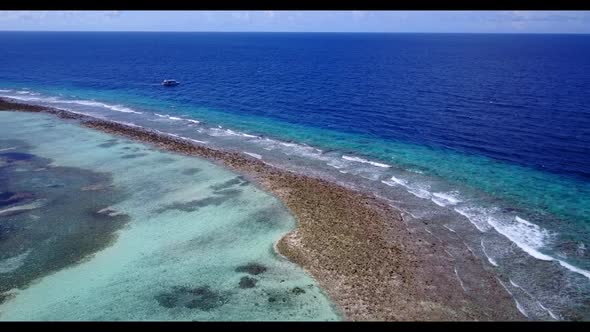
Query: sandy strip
367	260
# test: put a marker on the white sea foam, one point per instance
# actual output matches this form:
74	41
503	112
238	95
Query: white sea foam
518	286
255	155
194	140
469	248
554	316
518	306
300	150
476	216
527	236
574	268
365	161
53	100
77	112
218	132
460	281
336	166
232	133
449	228
490	259
111	212
395	181
533	298
525	222
174	118
416	190
7	149
24	207
419	192
117	108
530	238
445	199
131	124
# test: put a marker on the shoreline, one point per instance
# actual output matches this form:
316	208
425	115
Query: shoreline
357	246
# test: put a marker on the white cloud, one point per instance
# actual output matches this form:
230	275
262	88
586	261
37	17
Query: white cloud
243	16
358	15
113	13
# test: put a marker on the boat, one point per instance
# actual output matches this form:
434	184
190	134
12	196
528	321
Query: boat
170	82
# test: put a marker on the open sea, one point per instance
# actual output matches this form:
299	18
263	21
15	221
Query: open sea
485	136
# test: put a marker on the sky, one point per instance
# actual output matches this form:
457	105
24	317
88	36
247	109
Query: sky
301	21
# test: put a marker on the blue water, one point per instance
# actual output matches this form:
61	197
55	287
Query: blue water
501	119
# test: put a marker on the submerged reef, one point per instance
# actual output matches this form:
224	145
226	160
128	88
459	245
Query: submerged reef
51	217
252	268
201	298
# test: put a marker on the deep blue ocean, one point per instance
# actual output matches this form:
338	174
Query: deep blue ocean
500	116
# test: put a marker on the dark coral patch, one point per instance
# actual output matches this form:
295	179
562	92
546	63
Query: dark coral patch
192	206
134	155
133	149
107	145
247	282
202	298
56	241
267	217
166	300
298	290
238	180
252	268
228	192
164	160
191	171
5	297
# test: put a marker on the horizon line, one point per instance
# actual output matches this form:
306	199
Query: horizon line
310	32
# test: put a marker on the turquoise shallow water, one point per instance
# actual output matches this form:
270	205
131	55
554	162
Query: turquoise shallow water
192	241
